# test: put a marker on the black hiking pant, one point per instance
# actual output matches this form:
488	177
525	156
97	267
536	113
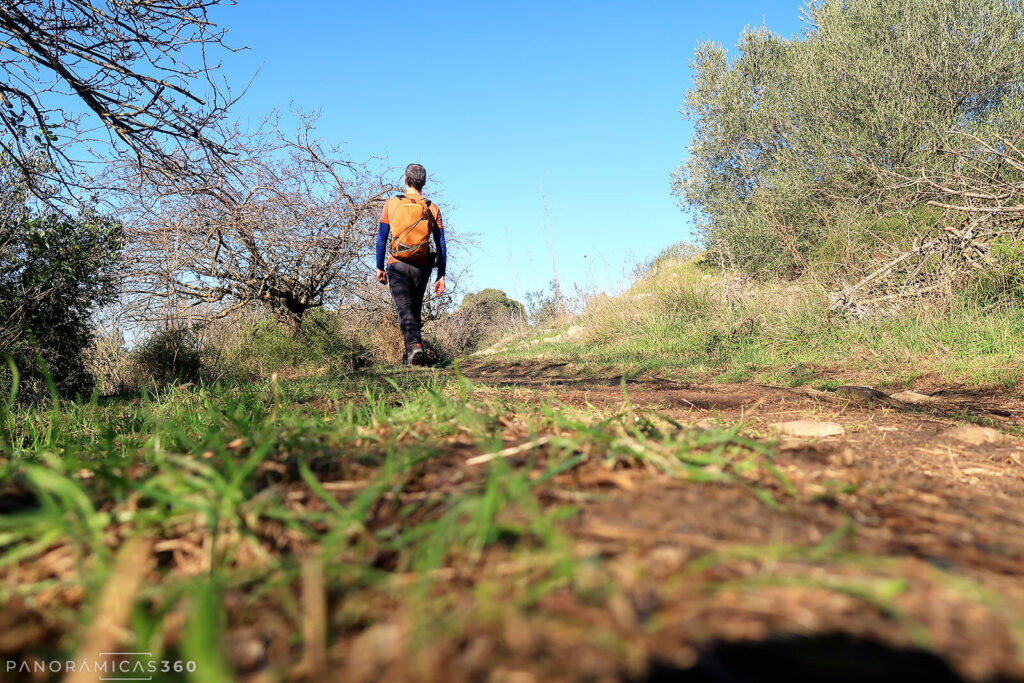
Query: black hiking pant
408	283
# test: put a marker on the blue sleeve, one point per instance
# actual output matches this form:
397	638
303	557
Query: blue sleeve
382	244
442	250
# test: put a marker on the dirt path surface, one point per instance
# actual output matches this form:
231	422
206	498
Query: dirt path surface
903	535
539	523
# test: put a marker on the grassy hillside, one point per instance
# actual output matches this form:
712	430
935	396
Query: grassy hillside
692	322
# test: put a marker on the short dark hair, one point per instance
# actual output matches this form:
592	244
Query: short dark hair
415	176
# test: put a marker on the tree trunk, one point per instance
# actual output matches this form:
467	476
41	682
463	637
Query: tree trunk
289	311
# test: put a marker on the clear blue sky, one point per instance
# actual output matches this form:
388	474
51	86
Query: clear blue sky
496	98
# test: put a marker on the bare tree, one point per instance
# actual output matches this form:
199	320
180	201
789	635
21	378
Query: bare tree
84	77
288	224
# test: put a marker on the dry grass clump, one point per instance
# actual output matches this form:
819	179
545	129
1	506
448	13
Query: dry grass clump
470	328
109	363
686	315
682	294
247	346
387	345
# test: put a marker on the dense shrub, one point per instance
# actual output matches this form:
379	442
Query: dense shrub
847	142
55	270
168	356
324	342
493	301
482	318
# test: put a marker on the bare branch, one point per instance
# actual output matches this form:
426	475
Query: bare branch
288	224
110	76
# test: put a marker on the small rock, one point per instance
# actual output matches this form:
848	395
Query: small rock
247	650
666	559
574	332
808	428
373	649
973	435
914	398
502	675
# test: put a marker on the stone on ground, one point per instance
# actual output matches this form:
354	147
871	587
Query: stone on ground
573	333
808	428
973	435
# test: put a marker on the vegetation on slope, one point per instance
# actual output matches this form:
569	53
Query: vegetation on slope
685	317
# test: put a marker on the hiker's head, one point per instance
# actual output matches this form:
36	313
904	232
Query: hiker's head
415	176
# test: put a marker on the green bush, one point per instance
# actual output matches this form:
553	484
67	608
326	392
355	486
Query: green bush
493	301
169	356
814	152
55	270
482	318
322	343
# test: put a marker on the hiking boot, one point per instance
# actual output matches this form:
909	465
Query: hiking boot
417	356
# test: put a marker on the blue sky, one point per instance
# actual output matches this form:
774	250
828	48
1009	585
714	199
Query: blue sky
497	99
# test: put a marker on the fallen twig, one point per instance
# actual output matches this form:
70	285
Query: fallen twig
508	452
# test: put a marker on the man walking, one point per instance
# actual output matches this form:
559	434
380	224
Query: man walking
411	219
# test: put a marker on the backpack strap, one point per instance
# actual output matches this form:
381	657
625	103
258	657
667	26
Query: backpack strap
431	221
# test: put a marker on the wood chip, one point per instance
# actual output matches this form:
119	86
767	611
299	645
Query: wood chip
619	480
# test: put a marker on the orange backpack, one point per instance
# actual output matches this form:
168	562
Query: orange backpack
411	221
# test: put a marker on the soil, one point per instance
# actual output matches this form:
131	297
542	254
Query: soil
898	553
927	496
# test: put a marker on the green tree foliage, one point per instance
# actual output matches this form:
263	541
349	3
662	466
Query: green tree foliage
493	301
821	150
55	270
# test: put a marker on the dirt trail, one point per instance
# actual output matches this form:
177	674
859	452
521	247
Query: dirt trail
906	530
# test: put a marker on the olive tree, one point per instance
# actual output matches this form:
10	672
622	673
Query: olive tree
882	123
